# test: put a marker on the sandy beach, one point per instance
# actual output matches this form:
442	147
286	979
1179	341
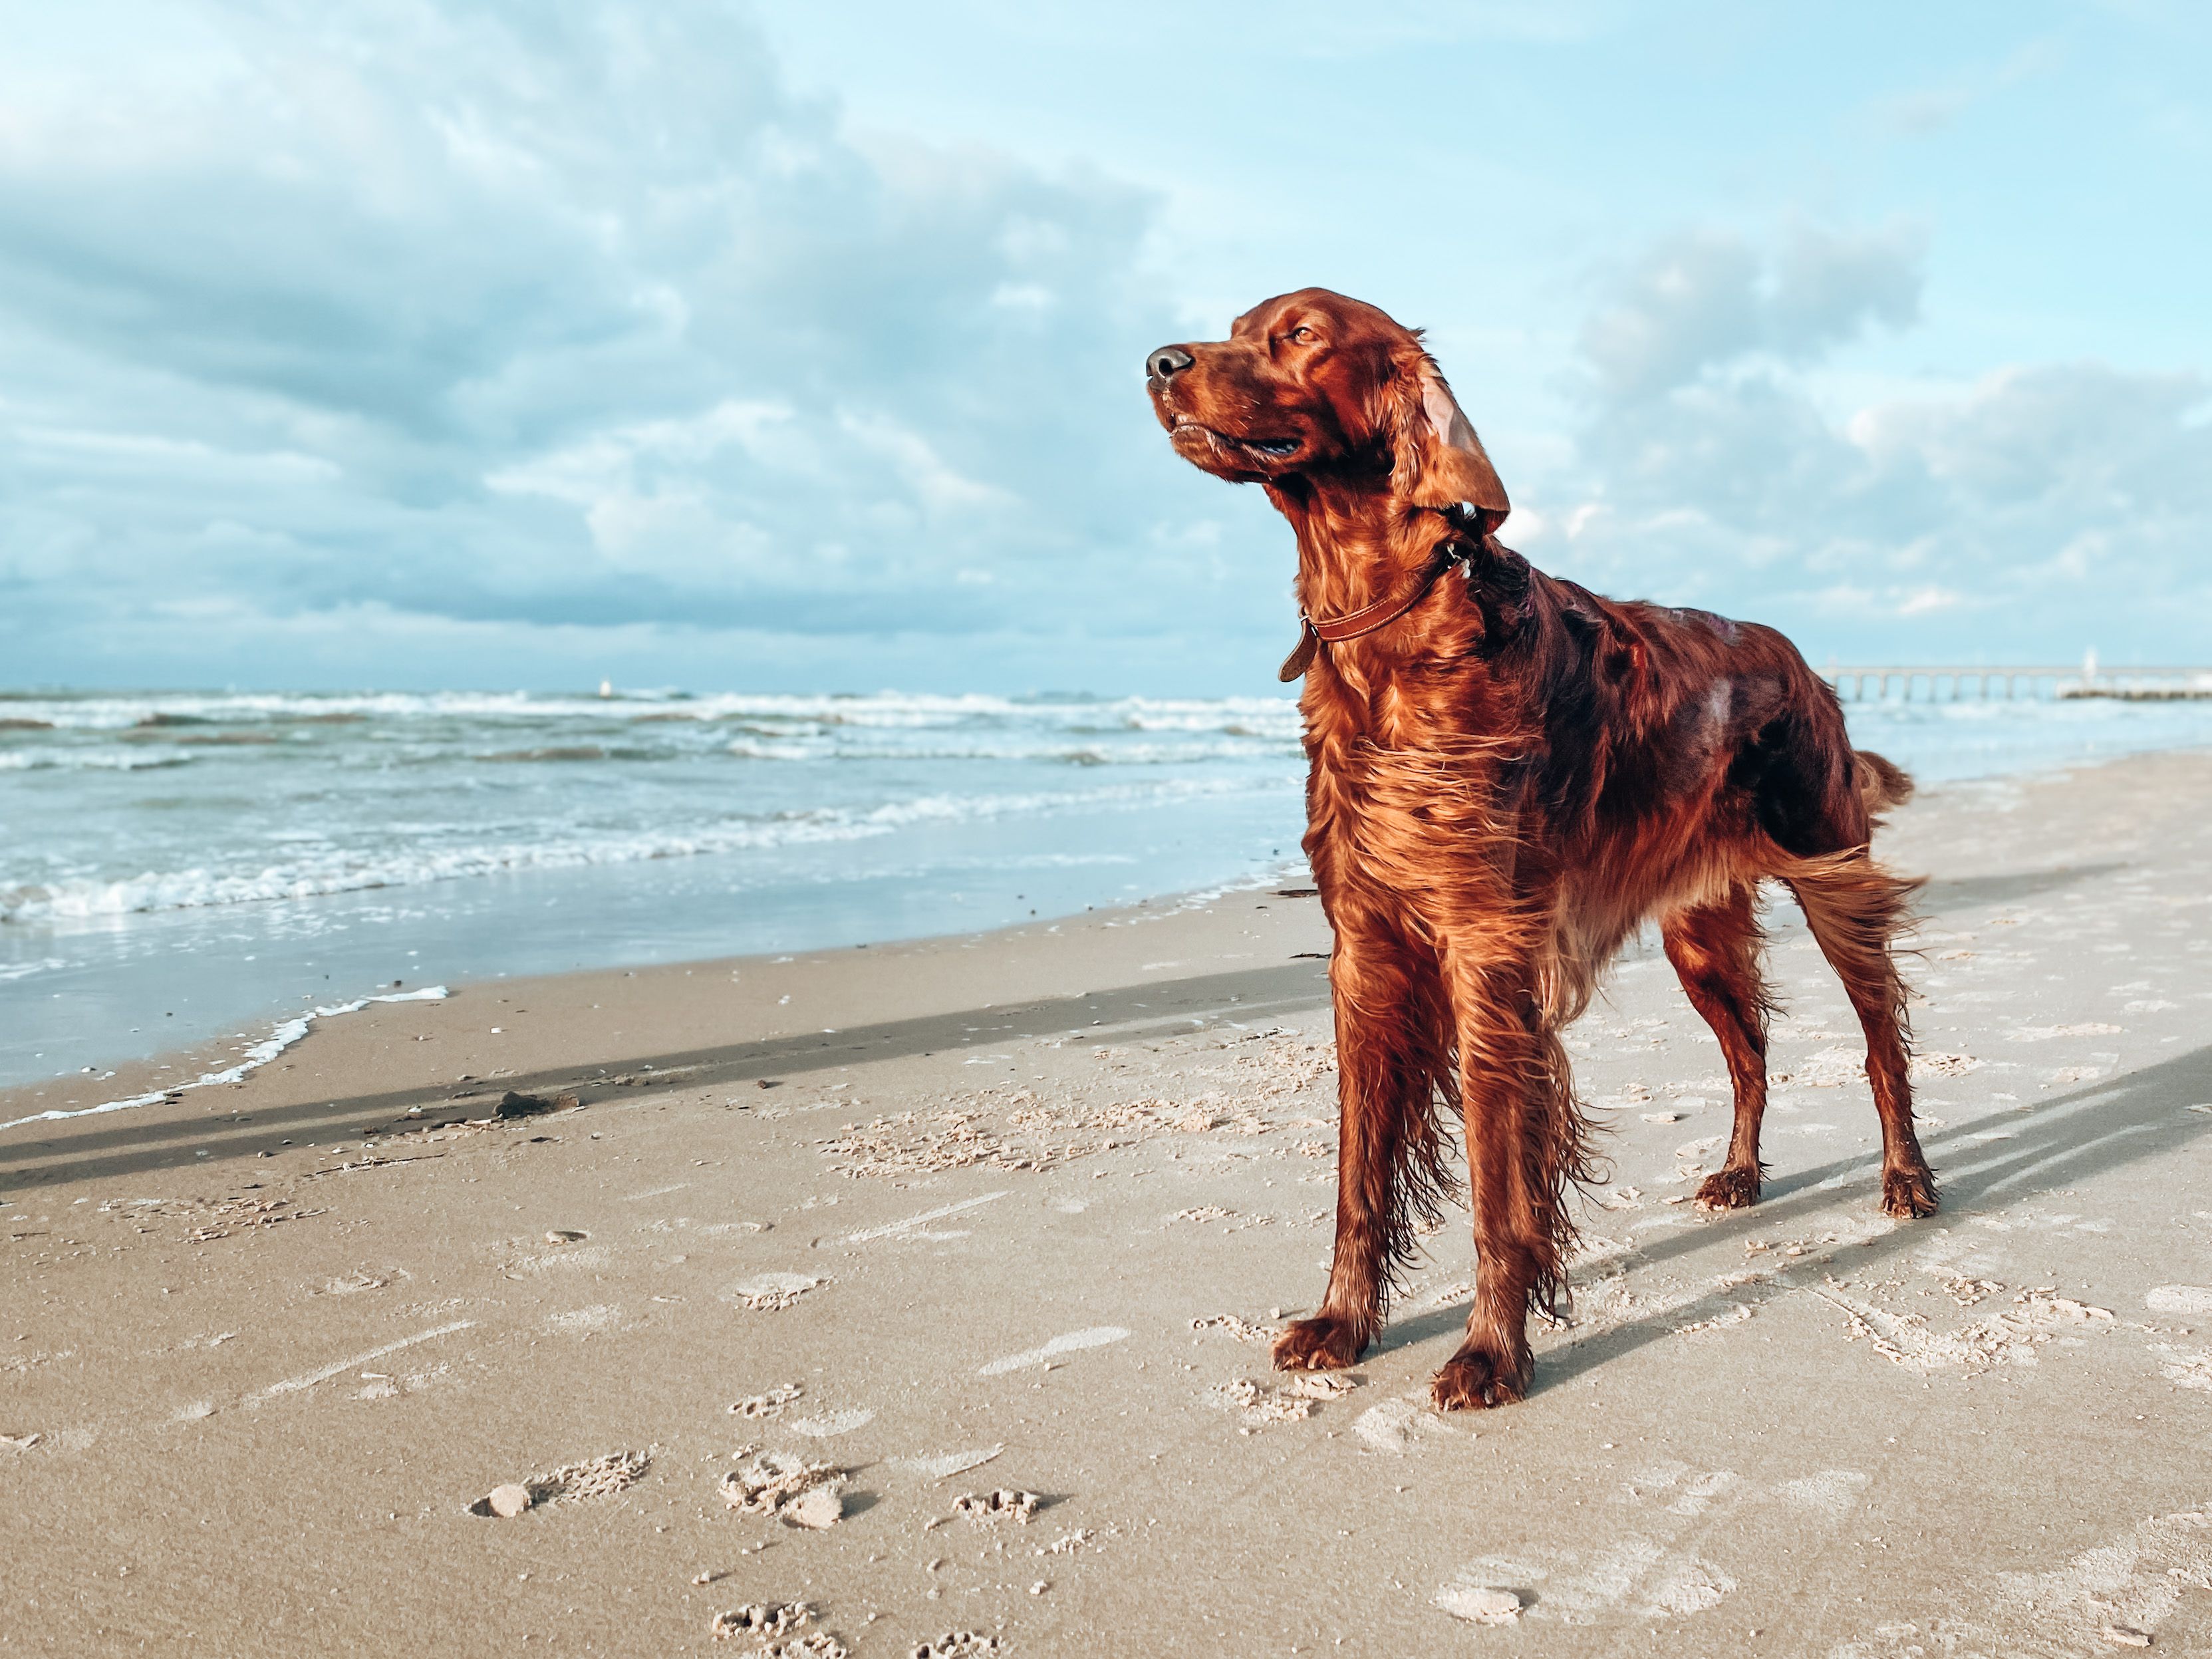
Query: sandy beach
929	1286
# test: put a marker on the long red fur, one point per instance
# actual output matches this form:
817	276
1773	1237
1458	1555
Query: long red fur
1505	782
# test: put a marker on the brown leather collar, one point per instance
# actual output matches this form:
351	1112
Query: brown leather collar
1313	631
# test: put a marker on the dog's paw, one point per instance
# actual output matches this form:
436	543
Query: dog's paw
1476	1377
1731	1188
1909	1193
1326	1343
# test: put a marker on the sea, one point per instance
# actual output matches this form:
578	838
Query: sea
180	865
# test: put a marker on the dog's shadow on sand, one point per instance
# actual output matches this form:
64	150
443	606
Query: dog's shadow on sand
2059	1143
1944	894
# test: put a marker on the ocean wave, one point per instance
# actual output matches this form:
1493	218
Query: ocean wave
1270	716
90	760
314	874
1047	748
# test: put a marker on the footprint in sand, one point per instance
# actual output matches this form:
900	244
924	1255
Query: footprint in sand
956	1644
1833	1492
2186	1369
826	1424
992	1507
2195	1299
770	1404
1392	1425
1098	1336
772	1292
572	1483
783	1484
779	1628
950	1464
583	1322
1258	1405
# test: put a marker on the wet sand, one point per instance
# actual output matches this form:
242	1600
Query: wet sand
852	1237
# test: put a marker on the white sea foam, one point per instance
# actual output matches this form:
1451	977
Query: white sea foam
90	760
287	1033
1265	717
376	790
311	871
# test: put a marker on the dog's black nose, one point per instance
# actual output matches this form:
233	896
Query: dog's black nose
1168	360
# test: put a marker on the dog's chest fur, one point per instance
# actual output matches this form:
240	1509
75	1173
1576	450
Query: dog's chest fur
1502	755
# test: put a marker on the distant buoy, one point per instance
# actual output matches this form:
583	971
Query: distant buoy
606	688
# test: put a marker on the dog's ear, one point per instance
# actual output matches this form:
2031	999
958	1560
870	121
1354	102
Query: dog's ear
1437	459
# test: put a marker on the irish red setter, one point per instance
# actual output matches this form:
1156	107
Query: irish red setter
1507	776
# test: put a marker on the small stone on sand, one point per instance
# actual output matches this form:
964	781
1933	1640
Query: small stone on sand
564	1235
817	1510
1483	1604
508	1501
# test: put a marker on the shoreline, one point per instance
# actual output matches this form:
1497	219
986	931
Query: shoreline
1017	1213
156	1068
174	977
916	979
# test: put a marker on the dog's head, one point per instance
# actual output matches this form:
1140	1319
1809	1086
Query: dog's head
1313	383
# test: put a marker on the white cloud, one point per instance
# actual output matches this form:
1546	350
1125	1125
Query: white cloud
2045	501
546	313
1703	298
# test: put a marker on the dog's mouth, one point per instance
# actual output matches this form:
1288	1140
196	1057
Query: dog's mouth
1223	443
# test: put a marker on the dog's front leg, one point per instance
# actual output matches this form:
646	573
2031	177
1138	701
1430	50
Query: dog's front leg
1390	1049
1522	1139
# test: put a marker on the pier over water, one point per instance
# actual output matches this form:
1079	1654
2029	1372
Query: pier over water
1942	683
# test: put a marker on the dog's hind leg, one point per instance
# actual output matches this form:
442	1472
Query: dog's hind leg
1715	948
1856	910
1393	1037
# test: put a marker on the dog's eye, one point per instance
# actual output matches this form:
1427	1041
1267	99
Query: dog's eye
1302	335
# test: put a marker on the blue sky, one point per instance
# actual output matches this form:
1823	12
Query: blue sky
797	345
